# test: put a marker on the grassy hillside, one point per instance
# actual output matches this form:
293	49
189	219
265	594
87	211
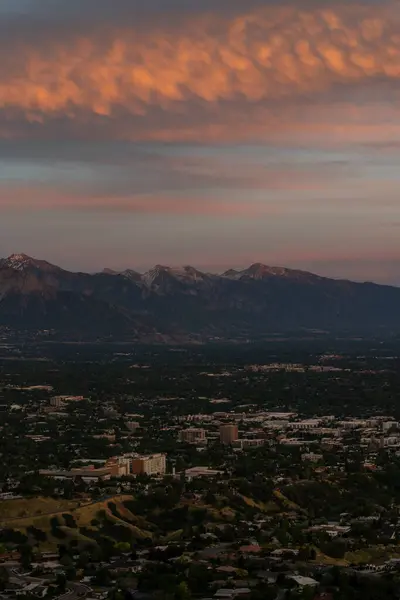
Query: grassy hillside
30	508
62	520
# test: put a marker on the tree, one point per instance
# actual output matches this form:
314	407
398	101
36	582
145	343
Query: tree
61	582
4	578
306	553
84	559
122	547
182	591
199	577
102	577
66	561
26	556
335	548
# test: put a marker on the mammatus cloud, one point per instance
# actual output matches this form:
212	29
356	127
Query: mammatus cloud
191	79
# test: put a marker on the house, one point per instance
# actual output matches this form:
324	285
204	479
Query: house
225	593
251	549
229	593
35	588
267	576
284	552
302	581
226	569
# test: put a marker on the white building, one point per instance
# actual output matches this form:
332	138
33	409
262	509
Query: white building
353	424
306	424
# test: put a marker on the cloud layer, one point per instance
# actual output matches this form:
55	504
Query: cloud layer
191	77
219	132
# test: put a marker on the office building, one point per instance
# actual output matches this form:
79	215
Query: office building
228	434
192	435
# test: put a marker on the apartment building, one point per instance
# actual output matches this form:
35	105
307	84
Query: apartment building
151	464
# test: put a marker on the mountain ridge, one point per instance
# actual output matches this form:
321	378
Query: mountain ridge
258	270
186	303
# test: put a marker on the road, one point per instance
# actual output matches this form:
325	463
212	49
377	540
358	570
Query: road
75	590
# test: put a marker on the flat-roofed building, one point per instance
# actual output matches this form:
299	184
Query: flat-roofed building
151	464
192	435
88	474
119	466
59	401
306	424
228	433
201	472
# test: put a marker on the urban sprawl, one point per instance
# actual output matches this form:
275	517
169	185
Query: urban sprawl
174	475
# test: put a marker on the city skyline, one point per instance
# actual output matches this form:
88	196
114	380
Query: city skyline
212	134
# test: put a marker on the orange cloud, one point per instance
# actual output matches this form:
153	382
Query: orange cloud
264	56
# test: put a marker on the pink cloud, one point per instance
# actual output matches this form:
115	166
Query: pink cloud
22	198
216	76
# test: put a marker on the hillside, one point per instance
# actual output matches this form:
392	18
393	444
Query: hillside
50	521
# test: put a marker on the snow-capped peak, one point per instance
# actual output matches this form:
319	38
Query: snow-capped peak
259	271
187	273
18	262
107	271
182	274
132	275
255	271
232	274
150	276
21	262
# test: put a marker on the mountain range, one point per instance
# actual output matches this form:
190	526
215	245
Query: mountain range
167	303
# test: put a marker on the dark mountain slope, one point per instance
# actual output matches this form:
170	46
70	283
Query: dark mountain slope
185	302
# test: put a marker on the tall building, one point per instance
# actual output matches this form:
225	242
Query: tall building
152	464
228	434
192	435
57	401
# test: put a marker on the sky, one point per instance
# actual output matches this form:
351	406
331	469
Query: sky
213	133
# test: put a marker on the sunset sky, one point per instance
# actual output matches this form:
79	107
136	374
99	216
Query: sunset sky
214	133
